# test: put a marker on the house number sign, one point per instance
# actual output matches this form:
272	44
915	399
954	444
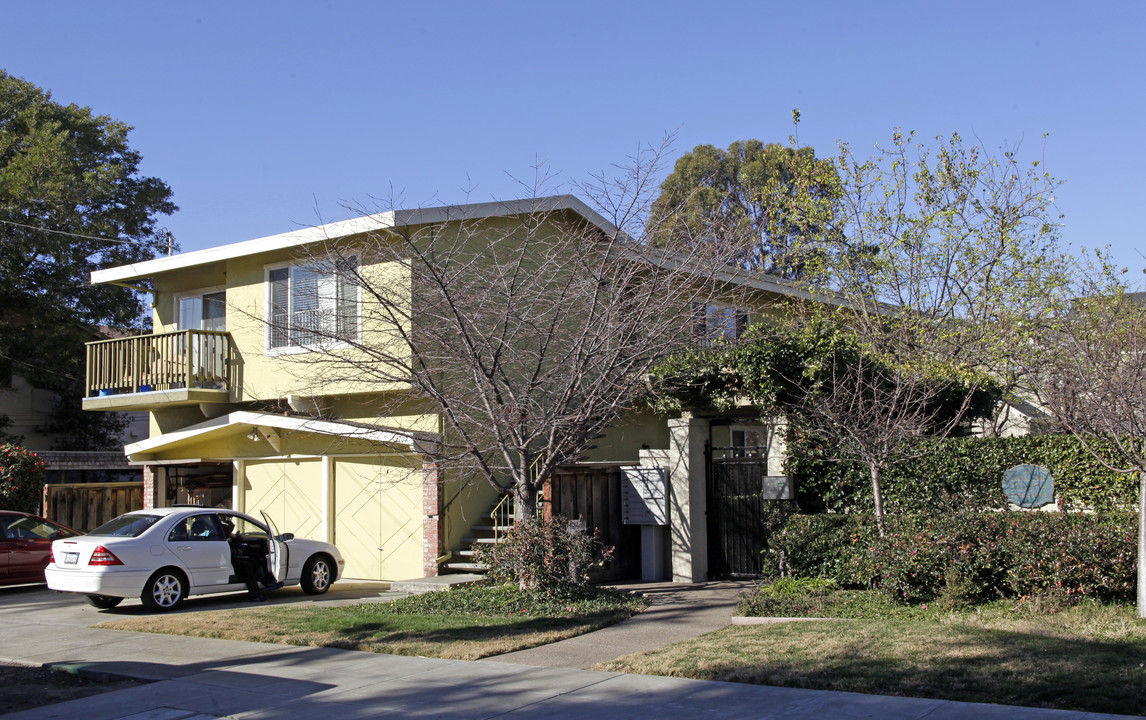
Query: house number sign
1028	486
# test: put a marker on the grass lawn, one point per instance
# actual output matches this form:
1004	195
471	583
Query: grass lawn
464	623
1089	658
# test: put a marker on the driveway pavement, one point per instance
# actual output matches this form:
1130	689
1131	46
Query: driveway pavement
205	678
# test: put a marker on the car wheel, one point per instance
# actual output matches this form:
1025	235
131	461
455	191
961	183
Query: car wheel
317	575
104	602
164	590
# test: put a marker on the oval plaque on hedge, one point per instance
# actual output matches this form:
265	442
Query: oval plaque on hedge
1028	486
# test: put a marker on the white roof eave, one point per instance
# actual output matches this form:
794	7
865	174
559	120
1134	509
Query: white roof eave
346	228
278	422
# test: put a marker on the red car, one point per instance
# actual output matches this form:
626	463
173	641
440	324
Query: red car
26	546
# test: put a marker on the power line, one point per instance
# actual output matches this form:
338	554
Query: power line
120	241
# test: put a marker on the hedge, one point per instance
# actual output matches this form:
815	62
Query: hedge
956	474
966	556
21	480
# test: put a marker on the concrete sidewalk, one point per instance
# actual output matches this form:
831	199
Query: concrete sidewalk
677	612
205	678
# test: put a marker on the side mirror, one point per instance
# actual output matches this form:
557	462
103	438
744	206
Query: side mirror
286	537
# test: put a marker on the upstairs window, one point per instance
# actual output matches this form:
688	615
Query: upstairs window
312	306
715	323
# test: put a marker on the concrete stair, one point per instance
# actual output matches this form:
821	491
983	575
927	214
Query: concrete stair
485	531
417	586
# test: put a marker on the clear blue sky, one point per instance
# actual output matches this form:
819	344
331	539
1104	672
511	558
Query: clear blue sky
266	116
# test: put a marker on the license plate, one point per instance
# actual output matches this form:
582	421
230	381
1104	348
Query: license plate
71	558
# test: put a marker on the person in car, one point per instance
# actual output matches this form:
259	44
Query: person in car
249	558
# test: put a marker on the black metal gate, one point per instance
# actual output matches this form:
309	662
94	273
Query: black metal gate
736	534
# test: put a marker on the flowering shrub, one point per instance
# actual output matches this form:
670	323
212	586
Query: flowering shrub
21	480
545	556
967	557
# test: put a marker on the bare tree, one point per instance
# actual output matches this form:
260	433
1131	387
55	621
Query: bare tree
967	258
872	412
526	327
1094	384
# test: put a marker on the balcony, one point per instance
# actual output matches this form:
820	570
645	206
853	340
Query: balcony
147	372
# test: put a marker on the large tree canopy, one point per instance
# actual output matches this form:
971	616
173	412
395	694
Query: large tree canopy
752	196
968	261
72	200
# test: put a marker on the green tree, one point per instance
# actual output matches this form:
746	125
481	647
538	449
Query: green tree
72	201
771	202
968	264
862	405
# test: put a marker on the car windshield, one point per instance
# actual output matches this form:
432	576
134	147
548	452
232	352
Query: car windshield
127	525
30	528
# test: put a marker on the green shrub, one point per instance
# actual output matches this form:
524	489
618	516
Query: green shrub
546	557
786	597
954	475
967	557
488	600
21	480
822	546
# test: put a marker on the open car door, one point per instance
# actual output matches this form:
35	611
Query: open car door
277	551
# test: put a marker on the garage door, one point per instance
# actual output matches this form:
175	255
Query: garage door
290	491
378	517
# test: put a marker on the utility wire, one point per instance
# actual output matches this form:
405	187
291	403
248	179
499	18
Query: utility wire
76	235
39	367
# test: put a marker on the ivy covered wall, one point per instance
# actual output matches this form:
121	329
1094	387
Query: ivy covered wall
956	474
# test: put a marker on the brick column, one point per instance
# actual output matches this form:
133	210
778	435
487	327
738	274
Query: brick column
148	486
432	547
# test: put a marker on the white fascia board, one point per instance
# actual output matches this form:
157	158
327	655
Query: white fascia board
278	422
283	241
354	226
734	276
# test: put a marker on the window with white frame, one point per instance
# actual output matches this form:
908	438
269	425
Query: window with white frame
312	305
715	322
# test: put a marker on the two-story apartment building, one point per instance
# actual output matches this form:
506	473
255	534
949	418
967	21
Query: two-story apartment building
232	420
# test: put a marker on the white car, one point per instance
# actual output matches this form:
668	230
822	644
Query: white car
163	555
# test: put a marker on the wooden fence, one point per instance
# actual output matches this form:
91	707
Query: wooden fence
594	496
86	506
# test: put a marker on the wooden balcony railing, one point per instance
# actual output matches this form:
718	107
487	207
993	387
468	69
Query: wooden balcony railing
202	359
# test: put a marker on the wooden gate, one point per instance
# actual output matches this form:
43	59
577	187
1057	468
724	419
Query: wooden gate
594	496
86	506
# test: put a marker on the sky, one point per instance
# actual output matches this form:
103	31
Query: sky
266	117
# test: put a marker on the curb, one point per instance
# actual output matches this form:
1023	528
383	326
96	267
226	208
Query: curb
89	671
737	620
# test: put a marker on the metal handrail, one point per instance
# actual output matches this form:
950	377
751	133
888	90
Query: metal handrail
502	515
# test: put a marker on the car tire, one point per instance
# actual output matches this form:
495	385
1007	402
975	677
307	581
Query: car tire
317	575
104	602
164	590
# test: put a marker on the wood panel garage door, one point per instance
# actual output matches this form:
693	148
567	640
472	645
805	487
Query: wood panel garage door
290	491
378	517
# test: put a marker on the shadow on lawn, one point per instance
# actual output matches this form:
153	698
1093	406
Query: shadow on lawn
966	663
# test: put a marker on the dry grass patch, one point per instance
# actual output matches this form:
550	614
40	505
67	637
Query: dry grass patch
1091	659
